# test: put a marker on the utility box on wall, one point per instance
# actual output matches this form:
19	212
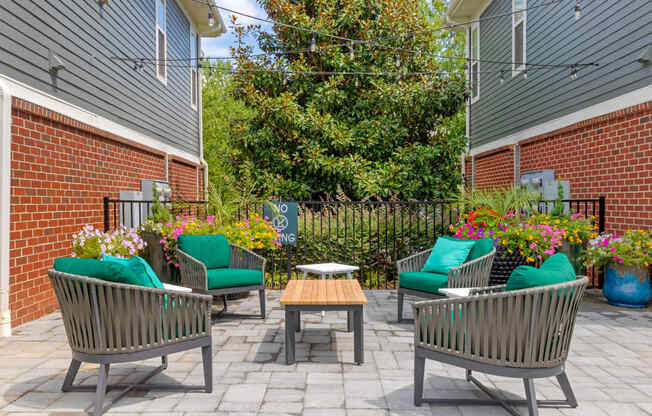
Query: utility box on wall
544	183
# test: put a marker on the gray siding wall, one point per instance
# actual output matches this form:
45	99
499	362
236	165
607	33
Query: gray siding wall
85	36
612	33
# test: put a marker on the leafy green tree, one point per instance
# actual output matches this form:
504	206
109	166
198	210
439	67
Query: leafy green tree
369	136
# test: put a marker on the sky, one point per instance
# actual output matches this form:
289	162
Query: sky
220	46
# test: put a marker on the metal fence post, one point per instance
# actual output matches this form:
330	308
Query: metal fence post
107	217
601	218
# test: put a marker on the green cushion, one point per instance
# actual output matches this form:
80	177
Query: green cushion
447	253
482	247
557	269
223	278
424	281
139	266
104	270
213	249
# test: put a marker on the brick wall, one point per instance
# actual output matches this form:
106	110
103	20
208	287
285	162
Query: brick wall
610	155
183	179
494	168
60	171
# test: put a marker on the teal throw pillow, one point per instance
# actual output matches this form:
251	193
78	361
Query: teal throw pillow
447	253
213	250
482	247
140	268
557	269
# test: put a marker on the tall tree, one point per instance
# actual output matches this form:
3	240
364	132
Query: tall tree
369	136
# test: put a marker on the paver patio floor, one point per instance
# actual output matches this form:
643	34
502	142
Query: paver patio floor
610	368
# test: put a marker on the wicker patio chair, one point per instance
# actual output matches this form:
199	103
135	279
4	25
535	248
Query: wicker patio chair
520	334
195	275
108	323
474	273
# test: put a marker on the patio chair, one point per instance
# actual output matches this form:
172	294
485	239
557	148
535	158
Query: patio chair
520	334
413	281
209	264
108	323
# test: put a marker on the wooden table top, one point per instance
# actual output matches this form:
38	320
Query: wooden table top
323	292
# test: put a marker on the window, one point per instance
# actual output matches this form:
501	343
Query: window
161	41
474	63
519	36
194	75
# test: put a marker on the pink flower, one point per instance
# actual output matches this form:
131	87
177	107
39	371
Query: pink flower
533	245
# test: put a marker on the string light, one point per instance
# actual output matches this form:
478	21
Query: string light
525	72
357	82
351	53
573	75
578	10
313	44
211	18
502	76
398	61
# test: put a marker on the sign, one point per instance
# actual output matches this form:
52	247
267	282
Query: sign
285	220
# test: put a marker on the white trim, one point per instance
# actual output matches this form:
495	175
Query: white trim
194	72
164	79
5	196
630	99
474	26
516	70
57	105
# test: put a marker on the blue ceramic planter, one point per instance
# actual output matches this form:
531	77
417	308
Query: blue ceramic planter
628	287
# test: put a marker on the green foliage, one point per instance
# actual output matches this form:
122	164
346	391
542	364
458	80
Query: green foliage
509	200
632	249
311	136
559	208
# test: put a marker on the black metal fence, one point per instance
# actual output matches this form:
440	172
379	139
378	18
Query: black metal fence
371	235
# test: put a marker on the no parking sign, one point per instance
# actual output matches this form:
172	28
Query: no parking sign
285	220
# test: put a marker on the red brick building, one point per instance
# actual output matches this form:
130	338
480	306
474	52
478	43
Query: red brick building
553	92
83	128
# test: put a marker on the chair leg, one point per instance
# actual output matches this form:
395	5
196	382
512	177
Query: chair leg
100	392
164	362
567	389
224	299
419	374
261	295
468	375
207	358
400	305
70	375
531	397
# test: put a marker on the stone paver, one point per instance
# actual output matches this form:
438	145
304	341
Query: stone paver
610	367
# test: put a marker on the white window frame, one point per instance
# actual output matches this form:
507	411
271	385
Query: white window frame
157	28
516	19
194	71
474	61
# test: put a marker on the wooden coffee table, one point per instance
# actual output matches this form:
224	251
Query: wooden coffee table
324	295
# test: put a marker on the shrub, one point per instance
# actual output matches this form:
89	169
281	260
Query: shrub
633	249
92	243
577	230
534	242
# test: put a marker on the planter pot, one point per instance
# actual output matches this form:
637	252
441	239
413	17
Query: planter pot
627	286
504	264
575	253
154	255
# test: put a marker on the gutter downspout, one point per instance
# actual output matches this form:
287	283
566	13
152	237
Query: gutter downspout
200	121
5	195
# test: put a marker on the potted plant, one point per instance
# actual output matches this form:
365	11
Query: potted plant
627	260
92	243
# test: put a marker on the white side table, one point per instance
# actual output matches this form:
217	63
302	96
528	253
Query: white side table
327	269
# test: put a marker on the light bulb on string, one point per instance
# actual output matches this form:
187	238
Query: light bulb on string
502	76
573	75
313	44
525	72
398	61
351	53
578	10
211	18
357	82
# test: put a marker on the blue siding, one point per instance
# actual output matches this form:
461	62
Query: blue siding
85	36
612	33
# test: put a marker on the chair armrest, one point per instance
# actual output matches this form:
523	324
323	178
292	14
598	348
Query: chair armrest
193	272
472	274
241	258
413	263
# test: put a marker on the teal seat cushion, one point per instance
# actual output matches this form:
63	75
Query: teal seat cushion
424	281
557	269
140	266
447	253
482	247
213	249
224	278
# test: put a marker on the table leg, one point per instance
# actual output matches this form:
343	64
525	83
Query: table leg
304	275
290	317
358	336
349	321
349	275
297	326
323	277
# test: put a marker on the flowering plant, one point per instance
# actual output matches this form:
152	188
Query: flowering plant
577	229
93	243
535	242
632	249
256	233
480	223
